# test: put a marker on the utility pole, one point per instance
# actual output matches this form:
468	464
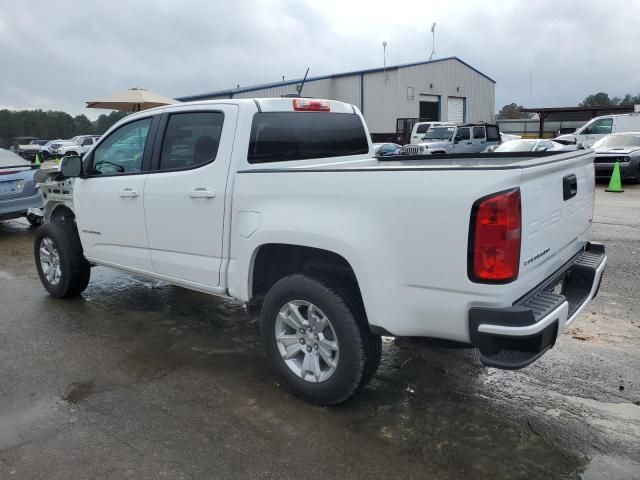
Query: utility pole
433	42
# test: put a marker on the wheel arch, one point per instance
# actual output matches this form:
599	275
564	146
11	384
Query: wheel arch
271	262
58	211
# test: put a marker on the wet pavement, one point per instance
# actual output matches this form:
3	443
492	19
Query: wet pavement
140	379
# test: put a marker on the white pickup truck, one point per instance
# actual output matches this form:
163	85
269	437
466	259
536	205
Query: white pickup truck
279	203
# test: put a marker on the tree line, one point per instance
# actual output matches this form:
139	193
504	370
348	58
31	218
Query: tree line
51	124
600	99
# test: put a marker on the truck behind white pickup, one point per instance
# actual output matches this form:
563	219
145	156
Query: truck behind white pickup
279	203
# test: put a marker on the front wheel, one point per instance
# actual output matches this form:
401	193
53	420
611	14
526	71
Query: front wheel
62	268
316	341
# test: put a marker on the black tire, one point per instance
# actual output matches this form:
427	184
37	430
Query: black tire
357	345
71	154
34	220
75	270
373	349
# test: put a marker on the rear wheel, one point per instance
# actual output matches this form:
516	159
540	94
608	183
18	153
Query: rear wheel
316	341
60	262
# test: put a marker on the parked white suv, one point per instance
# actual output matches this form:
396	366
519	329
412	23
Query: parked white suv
77	145
419	129
468	138
279	203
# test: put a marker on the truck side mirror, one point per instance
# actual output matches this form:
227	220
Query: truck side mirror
71	167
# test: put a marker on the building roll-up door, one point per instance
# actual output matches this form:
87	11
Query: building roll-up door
455	109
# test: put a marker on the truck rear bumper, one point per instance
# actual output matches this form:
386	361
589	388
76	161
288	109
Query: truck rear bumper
514	337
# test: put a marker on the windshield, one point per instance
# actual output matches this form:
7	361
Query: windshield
621	141
439	133
516	146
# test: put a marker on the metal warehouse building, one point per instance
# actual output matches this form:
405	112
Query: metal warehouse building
392	99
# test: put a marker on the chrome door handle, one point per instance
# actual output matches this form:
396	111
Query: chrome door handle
128	193
202	193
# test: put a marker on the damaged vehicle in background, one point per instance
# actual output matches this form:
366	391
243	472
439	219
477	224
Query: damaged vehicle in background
19	196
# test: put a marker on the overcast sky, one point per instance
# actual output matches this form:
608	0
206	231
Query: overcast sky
57	55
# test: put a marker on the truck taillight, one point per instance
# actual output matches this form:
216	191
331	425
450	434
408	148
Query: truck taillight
495	238
307	105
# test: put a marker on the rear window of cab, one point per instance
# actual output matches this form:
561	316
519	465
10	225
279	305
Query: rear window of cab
288	136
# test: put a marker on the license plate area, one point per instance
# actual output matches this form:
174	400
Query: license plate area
9	187
558	285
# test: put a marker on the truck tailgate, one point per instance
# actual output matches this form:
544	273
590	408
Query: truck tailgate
557	211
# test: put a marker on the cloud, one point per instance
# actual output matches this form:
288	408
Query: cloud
57	55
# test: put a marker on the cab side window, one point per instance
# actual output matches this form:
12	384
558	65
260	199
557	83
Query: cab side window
600	127
463	134
122	151
478	133
191	140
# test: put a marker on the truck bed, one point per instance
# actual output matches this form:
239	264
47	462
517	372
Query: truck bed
417	211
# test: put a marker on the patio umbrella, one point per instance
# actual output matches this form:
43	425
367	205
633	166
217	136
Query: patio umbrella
133	100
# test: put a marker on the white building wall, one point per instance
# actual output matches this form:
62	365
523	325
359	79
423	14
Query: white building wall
347	89
386	96
315	88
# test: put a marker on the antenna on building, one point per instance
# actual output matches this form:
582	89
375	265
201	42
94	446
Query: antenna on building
302	84
433	42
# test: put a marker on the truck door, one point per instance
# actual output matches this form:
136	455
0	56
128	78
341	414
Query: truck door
479	140
595	131
108	202
184	196
462	141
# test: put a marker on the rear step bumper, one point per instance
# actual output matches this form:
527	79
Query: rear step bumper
514	337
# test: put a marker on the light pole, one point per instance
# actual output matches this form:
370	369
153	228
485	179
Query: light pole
384	71
384	60
433	41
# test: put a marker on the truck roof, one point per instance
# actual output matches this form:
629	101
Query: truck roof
285	104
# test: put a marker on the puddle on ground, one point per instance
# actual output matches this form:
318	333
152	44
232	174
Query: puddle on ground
15	425
79	391
604	467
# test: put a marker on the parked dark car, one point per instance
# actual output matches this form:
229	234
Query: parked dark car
623	148
382	149
18	192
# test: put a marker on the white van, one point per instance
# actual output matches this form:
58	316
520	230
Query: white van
600	127
420	128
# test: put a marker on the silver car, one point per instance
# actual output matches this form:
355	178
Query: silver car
18	191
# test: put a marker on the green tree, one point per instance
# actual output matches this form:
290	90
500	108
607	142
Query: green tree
83	124
512	110
104	121
631	99
51	124
600	99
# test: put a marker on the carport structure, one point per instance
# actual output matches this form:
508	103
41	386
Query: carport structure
575	113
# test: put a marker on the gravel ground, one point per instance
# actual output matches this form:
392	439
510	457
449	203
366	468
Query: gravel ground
140	379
